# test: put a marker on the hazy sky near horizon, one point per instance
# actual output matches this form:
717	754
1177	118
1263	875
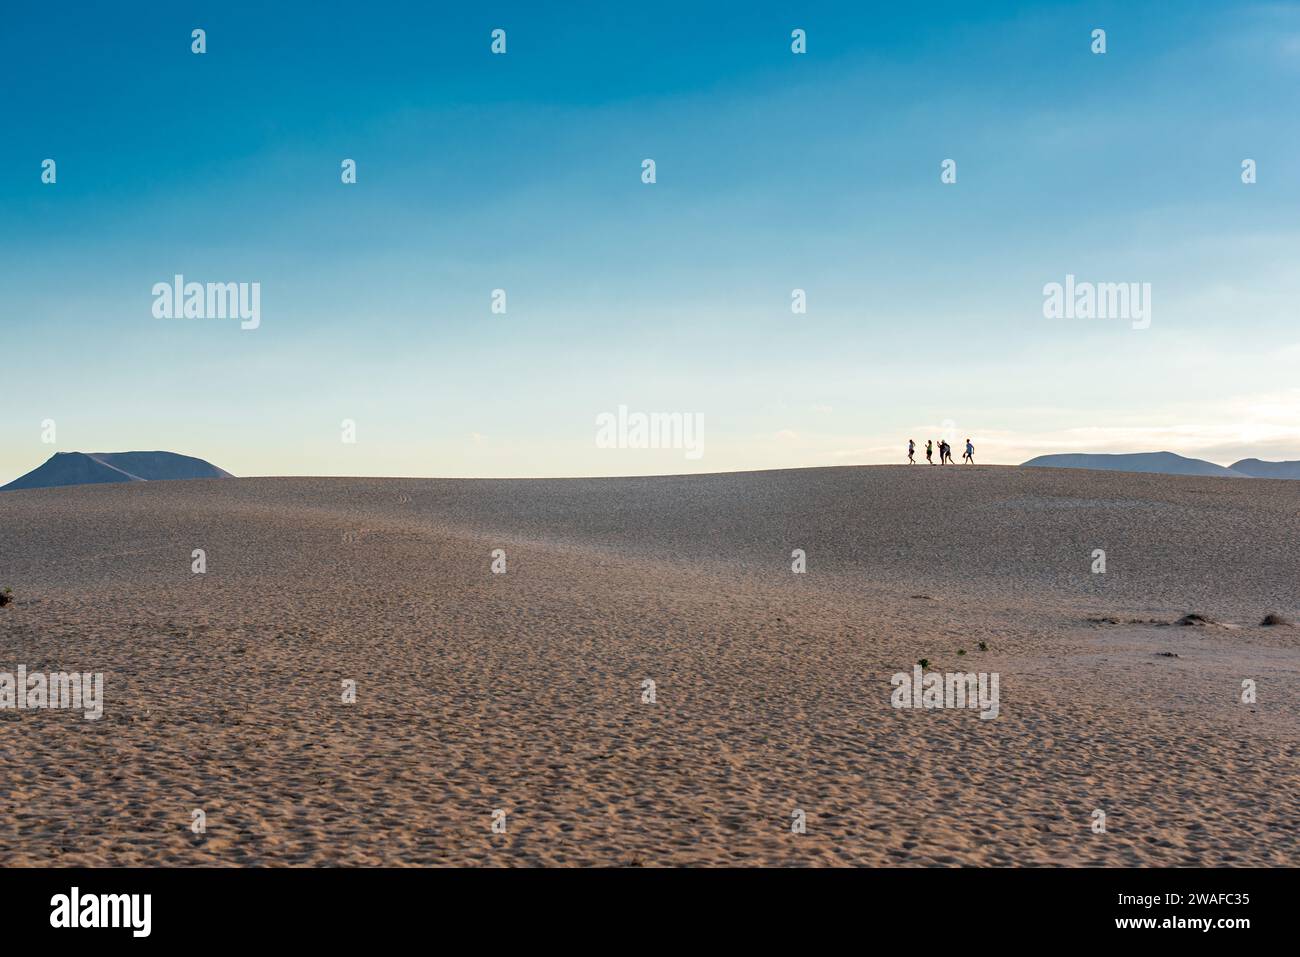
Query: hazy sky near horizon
522	172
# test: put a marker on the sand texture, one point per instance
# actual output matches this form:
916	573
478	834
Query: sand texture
523	692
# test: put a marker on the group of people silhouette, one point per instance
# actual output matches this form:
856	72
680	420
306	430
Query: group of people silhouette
945	453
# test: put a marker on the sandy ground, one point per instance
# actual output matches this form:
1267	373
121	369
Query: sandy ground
523	691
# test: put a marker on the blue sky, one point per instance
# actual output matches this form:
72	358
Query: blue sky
522	172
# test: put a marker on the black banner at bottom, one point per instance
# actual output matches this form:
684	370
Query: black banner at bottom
336	907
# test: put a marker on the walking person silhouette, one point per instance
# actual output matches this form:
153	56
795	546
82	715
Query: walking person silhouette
929	451
969	457
911	449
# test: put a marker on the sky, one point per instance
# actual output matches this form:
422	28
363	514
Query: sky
523	172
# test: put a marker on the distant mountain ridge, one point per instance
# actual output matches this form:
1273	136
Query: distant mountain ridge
1166	463
1256	468
96	468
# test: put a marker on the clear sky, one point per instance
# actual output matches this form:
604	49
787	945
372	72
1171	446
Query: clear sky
522	172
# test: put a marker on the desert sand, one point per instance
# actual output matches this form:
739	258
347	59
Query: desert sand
522	691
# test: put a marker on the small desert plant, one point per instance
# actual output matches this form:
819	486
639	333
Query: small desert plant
924	662
6	597
1273	618
961	651
983	646
1194	619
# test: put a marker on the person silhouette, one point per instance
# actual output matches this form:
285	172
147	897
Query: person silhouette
969	457
911	449
929	451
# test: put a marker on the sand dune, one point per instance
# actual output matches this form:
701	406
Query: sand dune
523	691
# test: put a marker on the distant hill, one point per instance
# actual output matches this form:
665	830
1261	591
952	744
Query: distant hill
1256	468
1165	463
92	468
